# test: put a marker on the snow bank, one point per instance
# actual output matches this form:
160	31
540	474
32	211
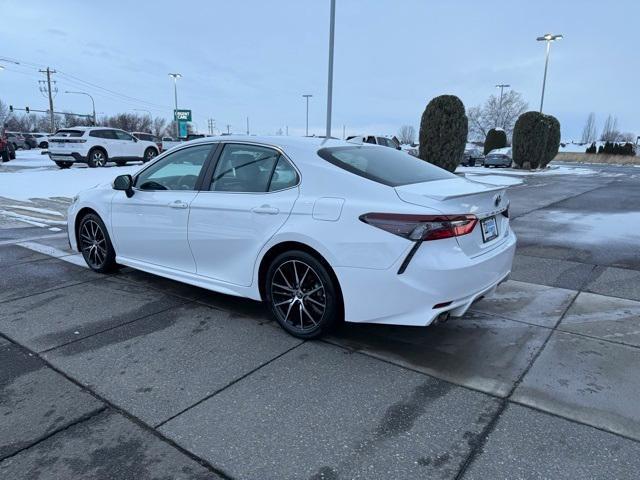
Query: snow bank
29	158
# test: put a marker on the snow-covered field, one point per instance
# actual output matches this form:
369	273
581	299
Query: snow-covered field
39	177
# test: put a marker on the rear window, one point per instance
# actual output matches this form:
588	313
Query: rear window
69	133
383	165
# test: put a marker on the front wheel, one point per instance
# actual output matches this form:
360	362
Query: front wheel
6	156
95	244
97	158
302	295
149	154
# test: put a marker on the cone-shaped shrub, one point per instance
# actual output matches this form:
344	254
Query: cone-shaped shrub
443	132
496	138
553	140
530	140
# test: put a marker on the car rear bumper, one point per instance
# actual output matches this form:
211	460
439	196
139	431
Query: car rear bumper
67	157
452	281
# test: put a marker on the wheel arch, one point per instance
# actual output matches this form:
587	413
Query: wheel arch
286	246
98	147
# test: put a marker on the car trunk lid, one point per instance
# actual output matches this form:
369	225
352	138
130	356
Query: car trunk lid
457	196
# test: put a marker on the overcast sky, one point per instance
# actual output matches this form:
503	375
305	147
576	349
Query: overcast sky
256	58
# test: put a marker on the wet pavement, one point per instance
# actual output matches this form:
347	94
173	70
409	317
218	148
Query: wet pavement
134	376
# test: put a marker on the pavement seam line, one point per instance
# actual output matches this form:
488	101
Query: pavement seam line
47	291
228	385
83	418
140	423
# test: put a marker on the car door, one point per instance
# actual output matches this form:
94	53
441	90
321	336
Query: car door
248	198
127	146
151	225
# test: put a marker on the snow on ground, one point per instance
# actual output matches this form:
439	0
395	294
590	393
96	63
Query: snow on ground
30	159
494	179
551	170
49	181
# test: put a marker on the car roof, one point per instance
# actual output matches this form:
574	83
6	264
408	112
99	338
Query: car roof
282	141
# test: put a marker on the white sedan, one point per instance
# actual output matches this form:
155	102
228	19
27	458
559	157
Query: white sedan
321	230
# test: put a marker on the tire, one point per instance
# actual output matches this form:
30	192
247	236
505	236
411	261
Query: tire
95	244
64	164
44	145
27	146
149	154
121	163
97	158
302	296
5	156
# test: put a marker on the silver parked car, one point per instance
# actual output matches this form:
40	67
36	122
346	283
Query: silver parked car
500	157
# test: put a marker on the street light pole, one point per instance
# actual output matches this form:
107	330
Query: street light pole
501	86
332	22
175	77
307	96
546	38
93	104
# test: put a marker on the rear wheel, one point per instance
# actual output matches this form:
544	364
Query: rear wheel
95	244
64	164
149	154
5	155
302	295
97	158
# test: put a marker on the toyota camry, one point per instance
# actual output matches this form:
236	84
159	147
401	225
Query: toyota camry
321	230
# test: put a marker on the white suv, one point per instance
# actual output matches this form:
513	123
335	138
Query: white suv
96	146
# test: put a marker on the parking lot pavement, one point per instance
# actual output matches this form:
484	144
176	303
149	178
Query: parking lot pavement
321	412
163	364
530	444
588	380
479	351
148	378
106	446
35	401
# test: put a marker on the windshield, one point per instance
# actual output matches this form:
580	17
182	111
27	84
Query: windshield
383	165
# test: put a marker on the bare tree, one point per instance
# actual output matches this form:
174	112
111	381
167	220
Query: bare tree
4	111
494	113
406	134
158	126
627	137
589	134
610	132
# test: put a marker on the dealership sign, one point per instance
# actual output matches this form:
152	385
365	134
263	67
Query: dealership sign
182	115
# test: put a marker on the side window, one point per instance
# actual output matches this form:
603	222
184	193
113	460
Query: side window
371	139
120	135
176	171
244	168
96	133
284	176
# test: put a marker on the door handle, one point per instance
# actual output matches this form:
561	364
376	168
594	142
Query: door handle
178	204
266	210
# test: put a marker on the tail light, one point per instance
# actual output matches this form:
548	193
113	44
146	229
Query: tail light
422	227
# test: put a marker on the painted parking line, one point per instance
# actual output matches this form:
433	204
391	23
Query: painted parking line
74	258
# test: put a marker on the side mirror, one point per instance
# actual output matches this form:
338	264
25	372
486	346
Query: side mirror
125	184
135	139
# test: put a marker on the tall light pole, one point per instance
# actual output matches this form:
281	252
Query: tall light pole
175	77
548	37
501	86
332	22
307	96
93	104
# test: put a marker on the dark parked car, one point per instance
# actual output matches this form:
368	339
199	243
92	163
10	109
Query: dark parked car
500	157
472	157
17	140
30	140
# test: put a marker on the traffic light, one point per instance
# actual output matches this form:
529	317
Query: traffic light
26	109
11	108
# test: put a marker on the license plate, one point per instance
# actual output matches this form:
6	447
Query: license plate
489	229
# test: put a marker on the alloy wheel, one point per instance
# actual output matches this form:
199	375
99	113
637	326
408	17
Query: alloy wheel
99	159
298	295
93	244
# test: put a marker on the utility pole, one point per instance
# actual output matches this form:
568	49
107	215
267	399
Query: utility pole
501	86
48	72
228	129
175	77
247	125
307	96
344	127
332	20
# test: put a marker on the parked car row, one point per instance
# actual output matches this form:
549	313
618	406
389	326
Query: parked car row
27	141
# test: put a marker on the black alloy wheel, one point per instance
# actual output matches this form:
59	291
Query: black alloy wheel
95	244
302	295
